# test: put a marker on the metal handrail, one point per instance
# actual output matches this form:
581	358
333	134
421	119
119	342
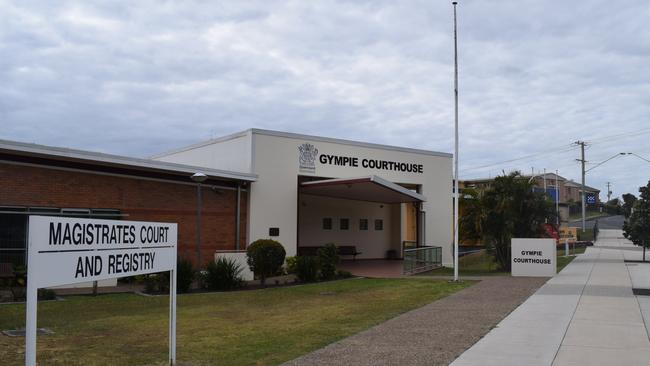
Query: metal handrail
422	259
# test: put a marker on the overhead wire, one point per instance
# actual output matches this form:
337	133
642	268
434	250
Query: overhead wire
600	141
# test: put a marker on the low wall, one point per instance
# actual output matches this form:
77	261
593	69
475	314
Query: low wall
239	256
111	282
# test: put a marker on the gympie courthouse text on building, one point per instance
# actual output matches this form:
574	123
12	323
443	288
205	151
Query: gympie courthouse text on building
303	191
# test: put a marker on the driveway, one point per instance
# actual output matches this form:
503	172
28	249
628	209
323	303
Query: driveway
606	223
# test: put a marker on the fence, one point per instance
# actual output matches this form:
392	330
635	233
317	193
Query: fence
422	259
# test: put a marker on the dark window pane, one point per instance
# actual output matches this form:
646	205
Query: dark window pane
363	224
13	237
344	224
379	224
327	223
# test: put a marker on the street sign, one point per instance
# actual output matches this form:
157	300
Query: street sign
590	198
65	250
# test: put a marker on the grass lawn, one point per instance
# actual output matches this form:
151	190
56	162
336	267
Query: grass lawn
482	264
258	327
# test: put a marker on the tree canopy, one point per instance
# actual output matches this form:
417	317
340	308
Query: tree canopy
637	226
507	209
628	202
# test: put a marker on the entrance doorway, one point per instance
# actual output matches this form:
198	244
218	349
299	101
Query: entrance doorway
366	213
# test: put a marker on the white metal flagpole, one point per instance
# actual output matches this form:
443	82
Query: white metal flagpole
456	194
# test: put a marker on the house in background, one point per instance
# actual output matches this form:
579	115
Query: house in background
568	193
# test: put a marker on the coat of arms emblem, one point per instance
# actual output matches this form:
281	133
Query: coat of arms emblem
307	157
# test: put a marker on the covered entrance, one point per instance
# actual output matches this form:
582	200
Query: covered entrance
371	216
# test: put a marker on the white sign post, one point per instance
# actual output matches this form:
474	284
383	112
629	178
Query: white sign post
533	257
65	251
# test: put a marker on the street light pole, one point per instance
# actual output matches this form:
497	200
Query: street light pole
198	178
456	194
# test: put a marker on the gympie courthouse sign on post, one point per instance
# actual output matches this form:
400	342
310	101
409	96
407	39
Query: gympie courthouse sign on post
71	250
533	257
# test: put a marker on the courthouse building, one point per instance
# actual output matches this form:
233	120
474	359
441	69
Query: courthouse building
303	191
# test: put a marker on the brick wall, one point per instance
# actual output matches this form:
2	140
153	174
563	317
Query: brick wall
140	199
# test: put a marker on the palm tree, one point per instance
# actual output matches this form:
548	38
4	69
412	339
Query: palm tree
508	209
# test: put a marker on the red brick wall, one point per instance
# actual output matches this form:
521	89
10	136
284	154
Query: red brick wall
141	199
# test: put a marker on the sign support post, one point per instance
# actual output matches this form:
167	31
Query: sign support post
31	309
172	316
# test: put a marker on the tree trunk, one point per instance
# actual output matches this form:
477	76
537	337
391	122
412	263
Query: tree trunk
644	253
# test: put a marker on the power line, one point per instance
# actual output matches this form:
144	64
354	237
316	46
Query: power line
564	149
524	158
638	132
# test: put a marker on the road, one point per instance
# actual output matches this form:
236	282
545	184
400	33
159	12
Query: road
607	222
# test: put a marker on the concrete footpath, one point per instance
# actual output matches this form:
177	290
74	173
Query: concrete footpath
586	315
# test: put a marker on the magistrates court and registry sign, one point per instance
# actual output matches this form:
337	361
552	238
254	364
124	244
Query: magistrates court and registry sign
71	250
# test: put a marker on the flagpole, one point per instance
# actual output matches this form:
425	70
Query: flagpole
456	193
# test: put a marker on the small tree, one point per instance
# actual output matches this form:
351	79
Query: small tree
637	227
265	258
328	257
628	203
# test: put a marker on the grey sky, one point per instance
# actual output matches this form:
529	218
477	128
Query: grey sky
142	77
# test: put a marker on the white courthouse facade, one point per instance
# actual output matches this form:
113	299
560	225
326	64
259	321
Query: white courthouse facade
314	190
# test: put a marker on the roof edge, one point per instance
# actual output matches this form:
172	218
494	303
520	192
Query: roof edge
375	179
292	135
259	131
228	137
63	153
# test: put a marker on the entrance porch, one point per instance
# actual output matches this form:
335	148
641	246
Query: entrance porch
374	268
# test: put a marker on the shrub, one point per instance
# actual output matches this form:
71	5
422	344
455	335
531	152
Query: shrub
19	283
328	258
290	265
159	282
307	268
151	283
184	275
343	274
46	294
265	258
223	274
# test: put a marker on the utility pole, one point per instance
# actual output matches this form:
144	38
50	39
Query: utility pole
545	193
456	194
583	161
609	192
557	200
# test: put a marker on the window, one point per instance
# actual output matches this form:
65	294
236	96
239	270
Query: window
13	227
327	223
344	224
13	238
379	224
363	224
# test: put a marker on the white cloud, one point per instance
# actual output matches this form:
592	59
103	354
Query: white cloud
534	76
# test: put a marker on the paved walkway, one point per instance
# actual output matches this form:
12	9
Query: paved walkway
434	334
586	315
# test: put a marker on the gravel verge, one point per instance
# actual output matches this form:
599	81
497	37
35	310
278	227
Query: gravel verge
434	334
